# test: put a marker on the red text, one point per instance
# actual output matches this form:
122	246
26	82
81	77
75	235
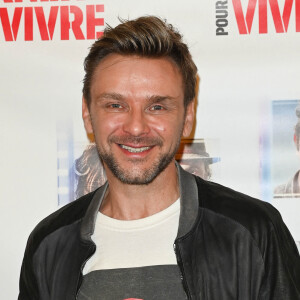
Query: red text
281	21
72	19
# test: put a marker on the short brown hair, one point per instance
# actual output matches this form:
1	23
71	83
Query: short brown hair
146	37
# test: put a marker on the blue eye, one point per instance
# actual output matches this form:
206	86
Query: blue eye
157	107
115	105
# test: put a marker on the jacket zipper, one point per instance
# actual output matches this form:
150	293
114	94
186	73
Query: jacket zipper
180	264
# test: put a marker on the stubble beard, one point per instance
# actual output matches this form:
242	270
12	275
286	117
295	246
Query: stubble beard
140	176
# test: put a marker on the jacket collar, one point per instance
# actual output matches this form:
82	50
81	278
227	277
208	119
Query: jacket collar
89	219
188	206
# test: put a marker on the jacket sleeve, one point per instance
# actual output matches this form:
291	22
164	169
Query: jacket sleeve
282	262
28	288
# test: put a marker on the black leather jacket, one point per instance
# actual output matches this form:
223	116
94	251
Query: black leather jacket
229	246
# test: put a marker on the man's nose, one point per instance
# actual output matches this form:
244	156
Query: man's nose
136	123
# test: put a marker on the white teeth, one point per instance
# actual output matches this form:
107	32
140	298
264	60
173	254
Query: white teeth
134	150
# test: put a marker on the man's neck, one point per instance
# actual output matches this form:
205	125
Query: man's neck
132	202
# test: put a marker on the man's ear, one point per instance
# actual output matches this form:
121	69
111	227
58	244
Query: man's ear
189	119
86	117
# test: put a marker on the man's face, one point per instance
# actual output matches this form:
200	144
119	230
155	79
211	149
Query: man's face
137	116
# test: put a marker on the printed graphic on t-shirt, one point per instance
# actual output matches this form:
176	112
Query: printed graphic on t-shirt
143	283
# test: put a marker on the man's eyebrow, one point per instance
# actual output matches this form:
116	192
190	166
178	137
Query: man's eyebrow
150	99
158	98
112	96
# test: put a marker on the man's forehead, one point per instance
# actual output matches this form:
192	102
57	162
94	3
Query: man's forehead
113	59
124	73
117	59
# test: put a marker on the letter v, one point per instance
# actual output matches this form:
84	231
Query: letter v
43	27
240	18
11	29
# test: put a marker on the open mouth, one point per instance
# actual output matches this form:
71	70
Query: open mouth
134	150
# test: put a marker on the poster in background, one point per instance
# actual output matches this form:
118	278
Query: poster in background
285	154
280	153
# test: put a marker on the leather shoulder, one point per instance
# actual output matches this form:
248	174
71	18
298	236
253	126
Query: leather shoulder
255	215
64	216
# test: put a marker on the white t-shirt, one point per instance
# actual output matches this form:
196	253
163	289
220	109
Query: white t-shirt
136	243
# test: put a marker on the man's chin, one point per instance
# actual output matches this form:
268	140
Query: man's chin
138	173
135	178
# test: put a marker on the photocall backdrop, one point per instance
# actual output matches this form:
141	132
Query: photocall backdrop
247	53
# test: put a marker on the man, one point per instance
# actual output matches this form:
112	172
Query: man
117	242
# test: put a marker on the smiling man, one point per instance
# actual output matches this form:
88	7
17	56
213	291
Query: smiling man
153	230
